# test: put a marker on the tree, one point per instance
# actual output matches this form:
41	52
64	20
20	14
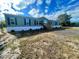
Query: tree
64	19
2	25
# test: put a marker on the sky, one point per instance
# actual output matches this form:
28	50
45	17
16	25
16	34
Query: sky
50	9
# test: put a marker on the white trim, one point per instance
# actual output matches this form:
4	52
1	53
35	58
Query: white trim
23	28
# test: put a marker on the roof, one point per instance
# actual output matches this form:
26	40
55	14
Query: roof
24	16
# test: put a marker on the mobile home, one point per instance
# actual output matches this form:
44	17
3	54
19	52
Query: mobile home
19	22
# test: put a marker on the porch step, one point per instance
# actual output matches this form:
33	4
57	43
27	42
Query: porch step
47	26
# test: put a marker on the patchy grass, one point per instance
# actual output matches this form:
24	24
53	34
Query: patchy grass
63	44
76	37
49	45
72	28
11	45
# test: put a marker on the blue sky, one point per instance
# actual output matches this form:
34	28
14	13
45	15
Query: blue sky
37	8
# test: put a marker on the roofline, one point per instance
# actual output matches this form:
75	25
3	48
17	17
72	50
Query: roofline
23	16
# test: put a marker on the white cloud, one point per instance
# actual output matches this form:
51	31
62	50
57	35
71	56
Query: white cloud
34	12
46	10
17	4
41	15
72	6
15	1
74	13
54	15
39	2
29	1
1	16
75	19
21	4
46	7
48	2
5	7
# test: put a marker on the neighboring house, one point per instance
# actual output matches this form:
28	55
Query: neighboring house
19	22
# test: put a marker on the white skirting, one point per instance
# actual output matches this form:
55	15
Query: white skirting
23	28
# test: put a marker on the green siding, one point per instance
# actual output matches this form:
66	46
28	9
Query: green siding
20	21
15	20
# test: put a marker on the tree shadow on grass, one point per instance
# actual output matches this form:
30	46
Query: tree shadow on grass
21	34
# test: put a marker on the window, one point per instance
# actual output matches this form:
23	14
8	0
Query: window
36	22
40	22
13	21
29	22
45	21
